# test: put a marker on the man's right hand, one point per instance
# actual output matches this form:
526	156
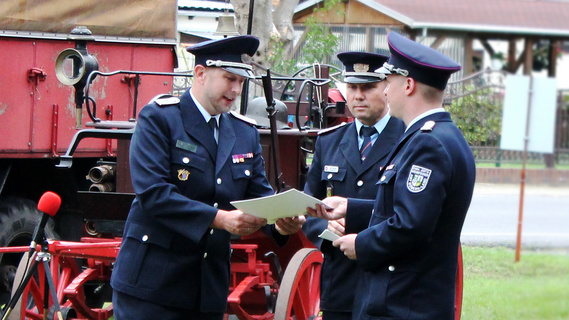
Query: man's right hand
339	205
237	222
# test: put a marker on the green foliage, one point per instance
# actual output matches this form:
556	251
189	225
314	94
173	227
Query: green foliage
478	116
319	43
277	58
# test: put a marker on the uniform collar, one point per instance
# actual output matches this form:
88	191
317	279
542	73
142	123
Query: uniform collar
423	115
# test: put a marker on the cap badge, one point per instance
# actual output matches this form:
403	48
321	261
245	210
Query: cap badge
361	67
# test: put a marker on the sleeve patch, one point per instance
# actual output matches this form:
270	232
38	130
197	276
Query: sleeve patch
418	179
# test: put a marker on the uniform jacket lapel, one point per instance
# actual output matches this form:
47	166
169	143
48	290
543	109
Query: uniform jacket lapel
382	146
351	153
226	141
195	125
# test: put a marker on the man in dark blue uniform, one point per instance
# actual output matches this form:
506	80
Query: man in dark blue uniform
409	248
189	158
347	164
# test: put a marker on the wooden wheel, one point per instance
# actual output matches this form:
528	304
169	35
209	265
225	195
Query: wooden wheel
299	294
30	304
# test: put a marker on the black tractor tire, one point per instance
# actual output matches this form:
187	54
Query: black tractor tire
18	219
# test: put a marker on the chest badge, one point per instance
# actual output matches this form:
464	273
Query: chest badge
183	174
418	179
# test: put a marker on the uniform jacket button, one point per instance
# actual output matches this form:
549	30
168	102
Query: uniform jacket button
360	183
391	268
215	205
211	231
247	173
330	176
218	181
205	255
145	238
186	160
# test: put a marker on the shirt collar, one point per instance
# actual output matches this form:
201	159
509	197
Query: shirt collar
202	110
379	126
423	115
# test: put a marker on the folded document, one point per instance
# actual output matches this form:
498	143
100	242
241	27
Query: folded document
291	203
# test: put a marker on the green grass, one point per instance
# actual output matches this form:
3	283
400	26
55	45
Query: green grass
496	287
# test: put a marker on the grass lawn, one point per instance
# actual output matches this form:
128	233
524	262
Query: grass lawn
496	287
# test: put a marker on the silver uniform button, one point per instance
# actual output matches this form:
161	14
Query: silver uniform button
205	255
247	173
215	205
211	231
360	183
144	238
382	178
186	160
391	268
330	176
218	180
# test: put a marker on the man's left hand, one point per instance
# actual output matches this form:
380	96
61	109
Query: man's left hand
347	244
286	226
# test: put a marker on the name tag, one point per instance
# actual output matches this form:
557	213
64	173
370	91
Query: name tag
333	169
186	146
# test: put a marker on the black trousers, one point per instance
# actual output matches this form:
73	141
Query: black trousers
331	315
127	307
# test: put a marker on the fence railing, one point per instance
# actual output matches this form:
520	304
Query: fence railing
476	104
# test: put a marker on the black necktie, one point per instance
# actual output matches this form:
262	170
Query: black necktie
366	133
213	125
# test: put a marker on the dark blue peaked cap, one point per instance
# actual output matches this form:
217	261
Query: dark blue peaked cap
226	53
360	66
422	63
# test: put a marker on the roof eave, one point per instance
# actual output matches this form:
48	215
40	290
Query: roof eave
388	12
490	29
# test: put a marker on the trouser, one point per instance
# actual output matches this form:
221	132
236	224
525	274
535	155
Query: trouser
127	307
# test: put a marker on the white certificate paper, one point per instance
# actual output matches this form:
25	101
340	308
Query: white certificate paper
291	203
328	235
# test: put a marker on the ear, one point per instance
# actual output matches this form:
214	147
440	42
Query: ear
199	73
410	85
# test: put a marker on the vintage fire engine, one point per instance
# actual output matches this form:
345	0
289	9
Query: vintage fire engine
68	107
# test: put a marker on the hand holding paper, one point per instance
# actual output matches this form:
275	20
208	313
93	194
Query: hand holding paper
291	203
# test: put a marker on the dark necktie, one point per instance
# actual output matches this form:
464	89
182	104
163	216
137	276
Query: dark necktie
366	133
212	125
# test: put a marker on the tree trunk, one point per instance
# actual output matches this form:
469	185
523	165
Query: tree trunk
266	25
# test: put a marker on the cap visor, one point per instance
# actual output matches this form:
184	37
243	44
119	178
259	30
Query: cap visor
361	79
239	71
383	70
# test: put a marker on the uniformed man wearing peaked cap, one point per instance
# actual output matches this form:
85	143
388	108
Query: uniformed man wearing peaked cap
189	158
409	248
226	53
347	163
424	64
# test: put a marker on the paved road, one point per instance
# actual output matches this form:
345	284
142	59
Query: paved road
493	216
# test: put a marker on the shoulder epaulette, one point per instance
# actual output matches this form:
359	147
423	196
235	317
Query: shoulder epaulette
332	129
243	118
428	126
165	100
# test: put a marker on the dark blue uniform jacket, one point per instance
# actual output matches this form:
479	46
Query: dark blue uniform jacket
410	251
337	164
170	255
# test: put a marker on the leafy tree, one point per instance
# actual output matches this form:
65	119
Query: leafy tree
478	115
